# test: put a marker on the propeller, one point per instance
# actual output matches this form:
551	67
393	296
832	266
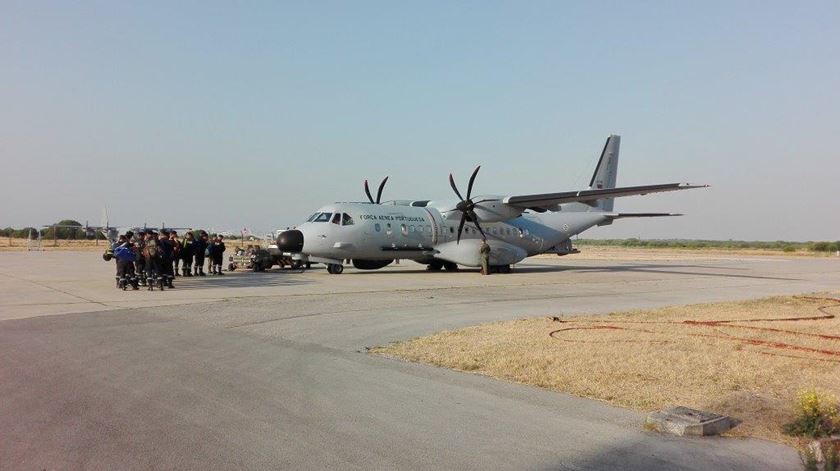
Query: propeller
378	193
466	205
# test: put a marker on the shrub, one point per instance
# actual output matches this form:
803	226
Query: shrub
789	248
816	415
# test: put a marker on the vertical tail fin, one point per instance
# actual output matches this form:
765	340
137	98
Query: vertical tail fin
606	171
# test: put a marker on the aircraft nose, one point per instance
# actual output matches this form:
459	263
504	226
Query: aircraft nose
290	241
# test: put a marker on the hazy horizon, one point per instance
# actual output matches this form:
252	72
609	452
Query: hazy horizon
208	114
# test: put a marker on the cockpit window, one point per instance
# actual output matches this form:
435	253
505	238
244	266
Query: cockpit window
312	218
323	217
337	218
346	220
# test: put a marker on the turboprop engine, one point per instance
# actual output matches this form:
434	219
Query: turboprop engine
480	209
492	209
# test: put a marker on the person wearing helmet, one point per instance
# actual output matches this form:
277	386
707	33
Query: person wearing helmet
217	254
166	256
176	252
125	255
187	255
199	249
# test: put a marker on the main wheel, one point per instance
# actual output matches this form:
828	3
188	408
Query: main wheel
335	268
449	266
434	265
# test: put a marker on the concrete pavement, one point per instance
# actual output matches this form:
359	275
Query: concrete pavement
269	370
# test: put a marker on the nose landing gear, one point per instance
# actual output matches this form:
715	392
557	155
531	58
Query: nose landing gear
335	268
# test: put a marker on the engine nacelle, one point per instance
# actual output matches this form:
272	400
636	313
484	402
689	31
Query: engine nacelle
492	209
488	208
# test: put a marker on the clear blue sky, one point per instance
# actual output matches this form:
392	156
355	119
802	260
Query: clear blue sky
232	114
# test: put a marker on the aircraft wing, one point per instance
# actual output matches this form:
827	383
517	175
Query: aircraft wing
639	215
590	196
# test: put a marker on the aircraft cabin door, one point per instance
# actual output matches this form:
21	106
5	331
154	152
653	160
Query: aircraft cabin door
437	226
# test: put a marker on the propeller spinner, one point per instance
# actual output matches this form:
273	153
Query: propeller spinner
466	206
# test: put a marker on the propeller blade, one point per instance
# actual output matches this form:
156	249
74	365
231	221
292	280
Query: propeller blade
461	227
381	187
472	180
475	221
367	191
452	184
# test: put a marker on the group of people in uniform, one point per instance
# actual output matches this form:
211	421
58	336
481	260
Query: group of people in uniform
153	259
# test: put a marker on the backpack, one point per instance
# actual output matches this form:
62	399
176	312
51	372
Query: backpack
125	254
151	249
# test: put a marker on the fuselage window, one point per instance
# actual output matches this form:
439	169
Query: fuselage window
451	230
403	229
346	220
337	218
323	217
521	234
388	228
410	228
377	227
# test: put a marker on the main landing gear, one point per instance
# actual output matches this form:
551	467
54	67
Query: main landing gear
438	265
500	269
335	268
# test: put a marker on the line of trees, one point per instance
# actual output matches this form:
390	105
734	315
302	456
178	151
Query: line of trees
52	232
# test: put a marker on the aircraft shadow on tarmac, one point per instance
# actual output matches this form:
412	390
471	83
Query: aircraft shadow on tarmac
241	280
649	268
665	269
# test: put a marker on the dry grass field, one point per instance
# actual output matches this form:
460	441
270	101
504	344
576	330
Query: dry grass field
17	245
745	359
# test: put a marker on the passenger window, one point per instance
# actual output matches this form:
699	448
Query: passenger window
388	228
378	227
323	217
451	230
336	219
403	229
346	220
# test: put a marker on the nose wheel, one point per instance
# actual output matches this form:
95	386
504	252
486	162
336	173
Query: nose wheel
335	269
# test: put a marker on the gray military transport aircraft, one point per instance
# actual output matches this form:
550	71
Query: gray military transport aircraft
447	233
